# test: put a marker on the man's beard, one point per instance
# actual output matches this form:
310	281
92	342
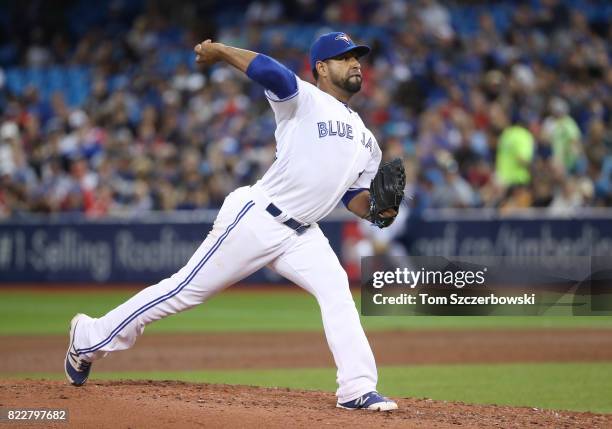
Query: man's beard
350	85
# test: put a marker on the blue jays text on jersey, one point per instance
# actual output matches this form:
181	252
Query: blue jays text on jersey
341	130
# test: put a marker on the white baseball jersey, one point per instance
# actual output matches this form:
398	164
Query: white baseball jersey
323	150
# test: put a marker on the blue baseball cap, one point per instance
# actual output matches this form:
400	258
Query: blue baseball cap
333	44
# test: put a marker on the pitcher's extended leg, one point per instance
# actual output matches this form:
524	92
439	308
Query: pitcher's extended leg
229	253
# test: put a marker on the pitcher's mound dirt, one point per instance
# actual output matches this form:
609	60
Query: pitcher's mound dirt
169	404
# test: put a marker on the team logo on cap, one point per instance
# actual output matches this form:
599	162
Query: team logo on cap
344	37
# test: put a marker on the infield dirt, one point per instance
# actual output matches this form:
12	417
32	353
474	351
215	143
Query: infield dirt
176	352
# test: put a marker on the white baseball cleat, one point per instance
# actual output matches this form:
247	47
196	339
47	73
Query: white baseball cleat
77	368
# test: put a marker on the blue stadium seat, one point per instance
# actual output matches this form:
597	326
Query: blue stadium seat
15	80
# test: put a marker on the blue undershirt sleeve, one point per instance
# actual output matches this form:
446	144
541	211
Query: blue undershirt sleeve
273	76
350	194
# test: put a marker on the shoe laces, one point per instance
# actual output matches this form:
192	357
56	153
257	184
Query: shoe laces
84	365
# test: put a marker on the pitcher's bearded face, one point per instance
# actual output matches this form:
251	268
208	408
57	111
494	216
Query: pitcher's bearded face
345	72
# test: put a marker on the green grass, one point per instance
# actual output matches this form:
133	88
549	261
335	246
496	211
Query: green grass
572	386
41	312
568	386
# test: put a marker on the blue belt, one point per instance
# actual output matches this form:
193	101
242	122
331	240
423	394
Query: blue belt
295	225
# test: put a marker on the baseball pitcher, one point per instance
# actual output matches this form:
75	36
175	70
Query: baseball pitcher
325	154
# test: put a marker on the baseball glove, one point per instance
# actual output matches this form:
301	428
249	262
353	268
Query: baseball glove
387	191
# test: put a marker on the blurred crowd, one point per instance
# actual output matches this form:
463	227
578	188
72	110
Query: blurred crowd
504	105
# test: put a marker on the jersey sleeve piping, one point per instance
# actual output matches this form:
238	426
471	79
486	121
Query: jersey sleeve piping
272	97
350	194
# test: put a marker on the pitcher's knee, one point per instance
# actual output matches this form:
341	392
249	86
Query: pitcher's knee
337	303
337	280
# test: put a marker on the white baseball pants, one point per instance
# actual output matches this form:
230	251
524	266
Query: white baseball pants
245	238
